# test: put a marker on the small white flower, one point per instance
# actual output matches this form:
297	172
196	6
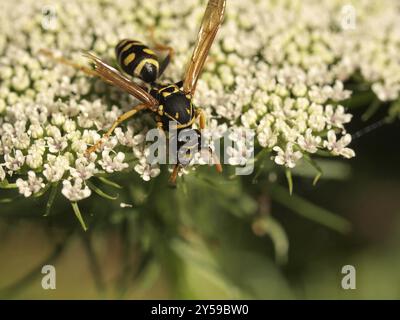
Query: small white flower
84	169
14	163
58	119
287	157
338	93
79	146
239	155
337	117
308	142
57	144
76	191
36	131
69	126
34	159
2	173
249	118
22	141
386	91
112	164
203	157
338	147
266	138
53	131
55	168
146	170
33	185
128	138
241	151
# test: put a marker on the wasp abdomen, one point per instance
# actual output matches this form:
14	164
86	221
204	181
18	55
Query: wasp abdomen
137	60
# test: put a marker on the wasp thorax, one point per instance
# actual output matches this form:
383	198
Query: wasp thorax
174	106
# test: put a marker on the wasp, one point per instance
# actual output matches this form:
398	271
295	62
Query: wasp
171	102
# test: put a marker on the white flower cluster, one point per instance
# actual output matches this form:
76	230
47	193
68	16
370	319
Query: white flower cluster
277	67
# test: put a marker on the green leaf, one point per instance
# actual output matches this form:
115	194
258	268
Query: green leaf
315	165
43	191
100	192
79	215
372	109
359	100
394	111
310	210
5	185
331	169
52	197
289	180
109	182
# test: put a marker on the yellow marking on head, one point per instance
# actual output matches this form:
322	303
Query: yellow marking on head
166	94
140	66
189	96
177	115
129	59
167	87
149	51
188	110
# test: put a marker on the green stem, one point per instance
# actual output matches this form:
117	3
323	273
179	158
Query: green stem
100	192
289	180
78	215
5	185
310	210
109	182
52	197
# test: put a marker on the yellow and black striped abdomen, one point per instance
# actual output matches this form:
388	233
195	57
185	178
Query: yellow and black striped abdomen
137	60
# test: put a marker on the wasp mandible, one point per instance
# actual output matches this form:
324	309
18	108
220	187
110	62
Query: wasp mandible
169	102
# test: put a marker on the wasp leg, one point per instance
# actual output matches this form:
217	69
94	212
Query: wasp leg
120	119
67	62
174	175
161	47
164	64
217	162
202	118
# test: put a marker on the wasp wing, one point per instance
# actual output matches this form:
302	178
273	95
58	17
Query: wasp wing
210	24
112	76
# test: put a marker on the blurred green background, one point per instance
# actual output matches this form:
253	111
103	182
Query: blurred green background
217	237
